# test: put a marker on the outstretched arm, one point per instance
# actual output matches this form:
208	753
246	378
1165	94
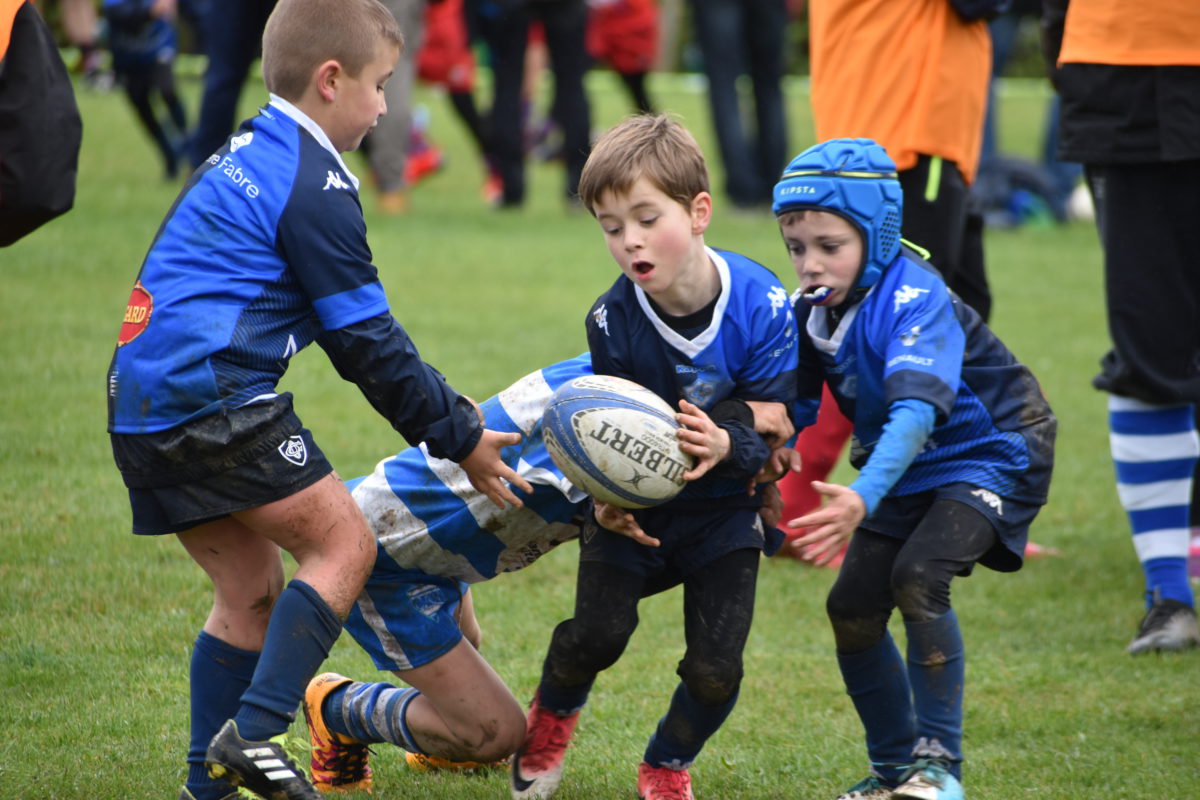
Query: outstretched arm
487	471
909	425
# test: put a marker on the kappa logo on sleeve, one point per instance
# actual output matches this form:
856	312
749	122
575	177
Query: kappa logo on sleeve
333	180
779	299
906	294
238	142
600	315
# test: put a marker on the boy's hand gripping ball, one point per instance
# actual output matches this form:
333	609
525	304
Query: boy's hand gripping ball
615	440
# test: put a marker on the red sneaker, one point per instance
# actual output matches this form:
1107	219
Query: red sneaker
537	766
663	783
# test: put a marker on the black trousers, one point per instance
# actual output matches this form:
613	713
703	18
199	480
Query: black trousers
939	217
1148	217
881	573
718	607
504	27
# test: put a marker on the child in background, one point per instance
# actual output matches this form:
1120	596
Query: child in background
143	42
953	439
705	330
624	35
446	60
264	252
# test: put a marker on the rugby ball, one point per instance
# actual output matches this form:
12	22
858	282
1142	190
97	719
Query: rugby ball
615	440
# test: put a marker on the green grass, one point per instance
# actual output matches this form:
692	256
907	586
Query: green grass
96	624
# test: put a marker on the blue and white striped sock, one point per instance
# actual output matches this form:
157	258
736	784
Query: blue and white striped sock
372	712
1155	449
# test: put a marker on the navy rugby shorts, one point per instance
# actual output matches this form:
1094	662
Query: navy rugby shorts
687	541
898	517
213	466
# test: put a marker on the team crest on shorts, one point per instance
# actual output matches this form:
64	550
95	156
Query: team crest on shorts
293	450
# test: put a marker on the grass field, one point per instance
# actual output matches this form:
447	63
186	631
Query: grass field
96	624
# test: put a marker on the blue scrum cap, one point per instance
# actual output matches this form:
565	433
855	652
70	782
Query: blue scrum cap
856	179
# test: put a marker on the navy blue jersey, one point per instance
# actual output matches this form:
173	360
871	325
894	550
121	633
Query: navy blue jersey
747	351
910	337
264	251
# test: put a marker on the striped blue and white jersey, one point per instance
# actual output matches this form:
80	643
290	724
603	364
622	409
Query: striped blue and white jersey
746	351
265	250
429	520
910	337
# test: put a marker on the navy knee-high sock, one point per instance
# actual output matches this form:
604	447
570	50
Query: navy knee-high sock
300	634
684	729
877	683
936	671
220	674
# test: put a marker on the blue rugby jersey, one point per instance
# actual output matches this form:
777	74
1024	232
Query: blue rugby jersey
910	337
747	351
429	520
264	250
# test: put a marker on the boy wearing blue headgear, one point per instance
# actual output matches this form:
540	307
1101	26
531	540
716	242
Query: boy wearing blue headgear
953	439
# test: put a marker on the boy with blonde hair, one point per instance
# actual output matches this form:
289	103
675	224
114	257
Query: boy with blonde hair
263	253
708	331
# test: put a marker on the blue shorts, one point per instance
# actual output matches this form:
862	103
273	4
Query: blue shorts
687	541
406	618
898	517
213	466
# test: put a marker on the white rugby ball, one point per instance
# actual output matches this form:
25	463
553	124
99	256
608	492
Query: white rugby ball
615	440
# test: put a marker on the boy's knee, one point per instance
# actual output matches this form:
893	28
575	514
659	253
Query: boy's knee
920	591
595	647
856	627
712	683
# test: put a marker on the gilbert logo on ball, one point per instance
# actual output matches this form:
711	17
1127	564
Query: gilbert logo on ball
615	440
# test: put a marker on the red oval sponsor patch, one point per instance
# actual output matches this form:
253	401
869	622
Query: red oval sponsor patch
137	314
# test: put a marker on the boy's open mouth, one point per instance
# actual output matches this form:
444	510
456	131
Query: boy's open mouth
643	267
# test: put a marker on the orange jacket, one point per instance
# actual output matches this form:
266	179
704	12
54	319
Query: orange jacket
1140	33
910	74
8	12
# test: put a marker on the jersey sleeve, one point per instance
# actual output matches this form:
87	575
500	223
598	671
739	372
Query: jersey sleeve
607	351
322	237
378	355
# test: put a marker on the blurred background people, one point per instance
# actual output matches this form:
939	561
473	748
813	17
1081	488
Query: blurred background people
745	37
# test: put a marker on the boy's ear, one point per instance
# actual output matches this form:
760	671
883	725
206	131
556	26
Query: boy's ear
328	78
701	213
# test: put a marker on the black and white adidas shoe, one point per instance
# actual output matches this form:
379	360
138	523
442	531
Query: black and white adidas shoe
261	767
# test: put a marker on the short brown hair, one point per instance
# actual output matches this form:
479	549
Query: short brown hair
651	146
300	35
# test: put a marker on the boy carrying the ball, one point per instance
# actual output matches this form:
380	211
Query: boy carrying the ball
706	330
954	442
436	536
264	252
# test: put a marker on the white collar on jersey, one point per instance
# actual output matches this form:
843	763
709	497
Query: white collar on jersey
818	320
306	122
691	347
